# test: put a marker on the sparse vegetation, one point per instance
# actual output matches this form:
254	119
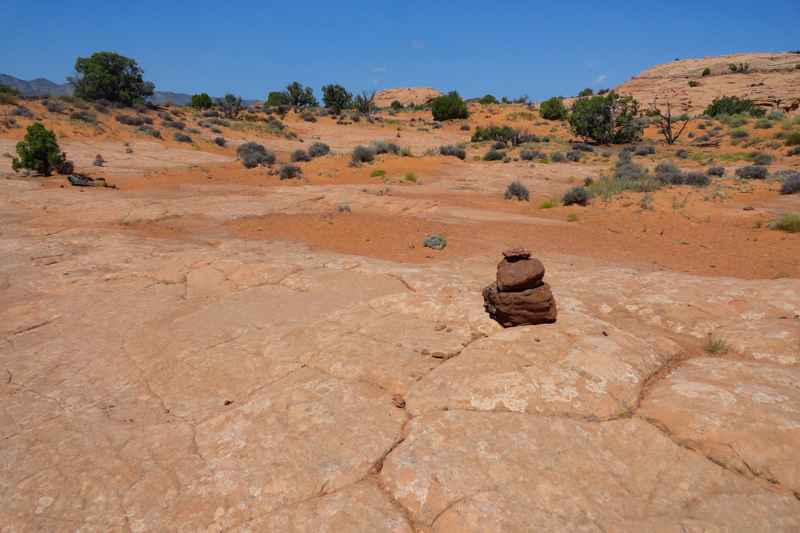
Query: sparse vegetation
791	183
790	223
363	154
752	172
576	196
716	171
318	149
182	138
454	151
84	116
253	154
494	155
517	190
289	171
732	105
230	105
715	345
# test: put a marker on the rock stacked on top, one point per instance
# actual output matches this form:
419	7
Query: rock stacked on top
520	297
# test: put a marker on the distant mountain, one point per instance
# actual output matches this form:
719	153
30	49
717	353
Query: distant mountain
44	87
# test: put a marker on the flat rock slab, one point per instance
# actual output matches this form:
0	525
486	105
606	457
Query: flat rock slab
461	471
579	366
743	414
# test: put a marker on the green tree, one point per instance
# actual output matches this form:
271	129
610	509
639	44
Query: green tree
488	99
110	76
230	105
586	92
336	97
397	105
449	106
610	118
553	109
300	96
278	98
39	151
201	101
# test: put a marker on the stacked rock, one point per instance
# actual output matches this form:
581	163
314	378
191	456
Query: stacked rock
520	296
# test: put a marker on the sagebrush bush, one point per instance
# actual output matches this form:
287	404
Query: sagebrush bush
55	106
453	151
790	222
583	147
793	139
573	155
553	109
682	154
669	174
84	116
318	149
739	133
760	158
696	179
752	172
763	124
220	141
530	155
557	157
182	138
38	151
503	134
645	149
253	154
449	107
517	190
149	131
494	155
300	155
363	154
791	183
716	171
384	147
129	120
174	124
288	172
22	111
576	196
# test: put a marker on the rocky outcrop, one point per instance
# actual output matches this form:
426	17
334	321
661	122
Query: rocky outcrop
771	80
520	297
406	96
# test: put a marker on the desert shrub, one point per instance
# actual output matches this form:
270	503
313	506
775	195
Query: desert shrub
791	183
682	154
760	158
174	124
449	107
129	120
696	179
775	115
464	127
693	83
55	106
99	161
494	155
22	111
363	154
607	119
150	131
396	105
300	155
576	196
645	149
487	99
530	155
557	157
716	171
38	151
182	138
553	109
84	116
517	190
289	171
318	149
220	141
66	167
308	117
499	145
383	147
706	72
253	154
739	133
790	222
586	92
230	105
201	101
112	77
752	172
763	124
573	155
794	151
377	173
669	174
583	147
792	139
732	105
453	151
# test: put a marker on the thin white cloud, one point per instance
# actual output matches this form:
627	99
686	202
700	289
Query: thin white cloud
379	70
418	44
600	79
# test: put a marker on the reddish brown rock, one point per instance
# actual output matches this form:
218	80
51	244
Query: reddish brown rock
520	297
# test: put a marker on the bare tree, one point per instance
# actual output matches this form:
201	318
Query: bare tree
365	103
666	123
230	105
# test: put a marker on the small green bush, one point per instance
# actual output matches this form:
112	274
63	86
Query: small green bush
706	72
793	139
760	158
318	149
553	109
790	222
38	151
488	99
494	155
791	183
84	116
716	171
752	172
288	172
763	124
363	154
182	138
300	156
732	105
150	131
449	107
739	133
453	151
693	83
220	141
607	119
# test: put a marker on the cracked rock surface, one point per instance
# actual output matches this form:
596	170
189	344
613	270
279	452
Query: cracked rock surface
228	385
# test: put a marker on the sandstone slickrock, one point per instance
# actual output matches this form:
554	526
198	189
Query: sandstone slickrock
520	297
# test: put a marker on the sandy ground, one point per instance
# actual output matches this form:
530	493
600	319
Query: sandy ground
208	347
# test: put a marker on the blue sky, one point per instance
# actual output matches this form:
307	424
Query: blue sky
504	48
